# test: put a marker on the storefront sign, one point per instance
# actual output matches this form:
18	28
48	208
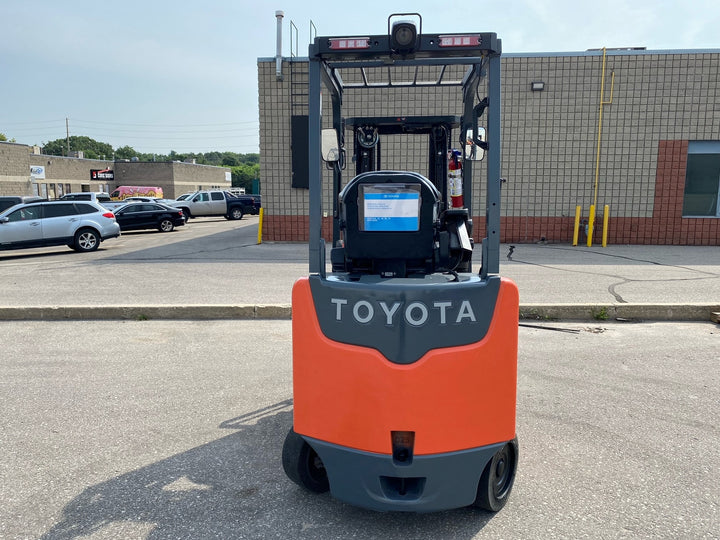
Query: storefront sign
37	172
102	174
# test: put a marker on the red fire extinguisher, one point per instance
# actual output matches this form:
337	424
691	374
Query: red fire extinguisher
455	179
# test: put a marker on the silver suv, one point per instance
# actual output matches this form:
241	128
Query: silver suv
81	225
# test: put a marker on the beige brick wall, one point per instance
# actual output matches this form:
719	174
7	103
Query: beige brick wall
14	169
549	138
175	178
190	177
72	171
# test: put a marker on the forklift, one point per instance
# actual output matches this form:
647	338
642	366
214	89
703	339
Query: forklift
404	357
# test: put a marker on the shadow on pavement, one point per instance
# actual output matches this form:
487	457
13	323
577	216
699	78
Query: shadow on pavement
232	245
234	487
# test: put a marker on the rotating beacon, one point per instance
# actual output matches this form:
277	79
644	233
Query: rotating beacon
404	357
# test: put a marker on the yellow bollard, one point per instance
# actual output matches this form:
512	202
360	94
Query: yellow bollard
260	226
606	219
576	229
591	224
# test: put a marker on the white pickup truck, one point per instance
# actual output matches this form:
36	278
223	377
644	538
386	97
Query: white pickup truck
218	203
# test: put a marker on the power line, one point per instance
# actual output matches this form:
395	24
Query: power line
55	121
256	122
199	132
50	122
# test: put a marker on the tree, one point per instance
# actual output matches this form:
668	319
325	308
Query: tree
243	175
174	156
125	152
250	159
4	138
244	167
91	148
230	161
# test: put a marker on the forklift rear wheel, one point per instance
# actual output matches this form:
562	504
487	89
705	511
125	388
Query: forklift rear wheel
497	479
302	464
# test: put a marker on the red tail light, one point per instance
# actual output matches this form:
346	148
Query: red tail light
109	215
350	43
469	40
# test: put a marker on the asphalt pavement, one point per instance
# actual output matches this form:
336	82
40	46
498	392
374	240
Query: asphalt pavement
141	425
165	430
215	269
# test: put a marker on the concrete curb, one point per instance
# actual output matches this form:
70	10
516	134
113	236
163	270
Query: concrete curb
142	313
555	312
622	312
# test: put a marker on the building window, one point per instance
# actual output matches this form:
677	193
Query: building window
702	180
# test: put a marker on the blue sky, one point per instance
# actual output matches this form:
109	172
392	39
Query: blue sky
160	75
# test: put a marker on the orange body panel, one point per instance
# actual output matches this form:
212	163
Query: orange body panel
453	398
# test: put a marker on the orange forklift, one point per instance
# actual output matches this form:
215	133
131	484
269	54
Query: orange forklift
404	357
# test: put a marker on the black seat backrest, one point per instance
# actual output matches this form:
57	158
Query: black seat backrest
389	221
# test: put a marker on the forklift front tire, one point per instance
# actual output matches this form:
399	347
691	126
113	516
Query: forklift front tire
497	479
302	464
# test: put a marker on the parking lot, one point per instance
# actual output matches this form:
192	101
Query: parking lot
173	428
195	264
215	261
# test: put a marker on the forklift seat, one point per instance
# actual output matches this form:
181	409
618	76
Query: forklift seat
389	221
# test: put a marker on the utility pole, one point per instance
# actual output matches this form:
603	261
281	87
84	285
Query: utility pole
67	136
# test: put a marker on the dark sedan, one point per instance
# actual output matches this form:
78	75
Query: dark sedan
135	216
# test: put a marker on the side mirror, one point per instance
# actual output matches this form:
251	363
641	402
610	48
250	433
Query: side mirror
330	146
4	219
475	145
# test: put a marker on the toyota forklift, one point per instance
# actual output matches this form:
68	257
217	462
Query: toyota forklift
404	356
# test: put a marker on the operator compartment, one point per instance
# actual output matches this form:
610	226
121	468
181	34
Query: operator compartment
388	220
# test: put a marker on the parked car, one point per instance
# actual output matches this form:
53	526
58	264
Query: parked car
11	200
140	199
148	199
81	225
185	196
143	215
98	197
218	203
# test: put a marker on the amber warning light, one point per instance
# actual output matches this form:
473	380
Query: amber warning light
350	43
460	41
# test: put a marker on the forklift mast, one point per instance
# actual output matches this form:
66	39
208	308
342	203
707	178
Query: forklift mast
479	52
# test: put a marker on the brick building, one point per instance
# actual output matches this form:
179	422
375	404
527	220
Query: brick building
24	171
655	162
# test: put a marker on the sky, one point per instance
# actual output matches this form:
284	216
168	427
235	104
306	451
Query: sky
161	75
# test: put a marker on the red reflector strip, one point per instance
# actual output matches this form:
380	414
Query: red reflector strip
459	41
350	43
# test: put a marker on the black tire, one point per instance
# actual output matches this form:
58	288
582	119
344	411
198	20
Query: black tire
302	464
86	240
236	213
166	225
497	479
